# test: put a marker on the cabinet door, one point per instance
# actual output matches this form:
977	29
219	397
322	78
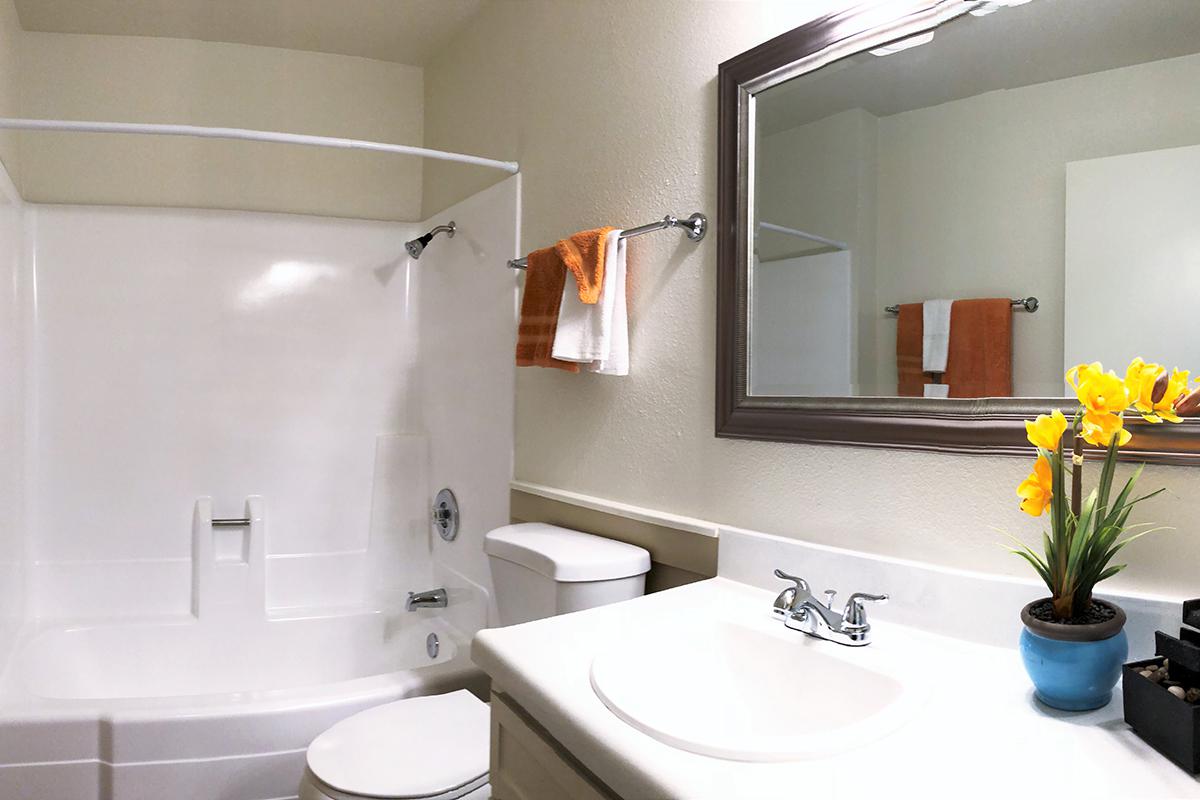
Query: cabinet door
527	764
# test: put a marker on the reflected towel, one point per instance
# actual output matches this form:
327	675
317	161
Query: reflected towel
909	330
980	358
583	253
545	275
935	335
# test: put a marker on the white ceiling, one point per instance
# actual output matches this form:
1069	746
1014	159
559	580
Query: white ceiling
404	31
1042	41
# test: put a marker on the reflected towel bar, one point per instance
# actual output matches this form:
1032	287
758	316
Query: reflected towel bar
694	226
1030	304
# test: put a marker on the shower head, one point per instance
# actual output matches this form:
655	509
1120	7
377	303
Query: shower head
417	246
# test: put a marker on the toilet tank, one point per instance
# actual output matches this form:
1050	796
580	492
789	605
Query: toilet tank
541	570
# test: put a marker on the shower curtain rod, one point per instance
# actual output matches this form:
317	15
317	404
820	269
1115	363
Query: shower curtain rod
834	243
246	134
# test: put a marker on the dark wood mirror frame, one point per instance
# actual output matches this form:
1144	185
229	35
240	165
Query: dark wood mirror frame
992	426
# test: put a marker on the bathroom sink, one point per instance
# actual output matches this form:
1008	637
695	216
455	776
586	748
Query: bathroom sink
755	694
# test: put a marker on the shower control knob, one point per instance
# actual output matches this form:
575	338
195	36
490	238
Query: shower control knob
445	515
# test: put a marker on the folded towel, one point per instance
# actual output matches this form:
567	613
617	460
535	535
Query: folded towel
583	253
909	328
585	332
937	390
935	335
545	275
616	285
980	357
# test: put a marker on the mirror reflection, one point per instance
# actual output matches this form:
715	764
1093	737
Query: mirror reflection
971	211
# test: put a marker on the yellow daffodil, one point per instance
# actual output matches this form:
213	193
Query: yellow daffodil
1047	430
1099	429
1036	490
1154	392
1100	392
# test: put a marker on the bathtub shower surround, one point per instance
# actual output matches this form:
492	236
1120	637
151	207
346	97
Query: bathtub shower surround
241	421
12	438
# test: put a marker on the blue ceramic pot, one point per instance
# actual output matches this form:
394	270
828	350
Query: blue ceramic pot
1074	667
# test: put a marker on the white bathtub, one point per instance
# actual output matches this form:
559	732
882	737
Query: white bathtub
184	710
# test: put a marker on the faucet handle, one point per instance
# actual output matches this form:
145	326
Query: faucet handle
786	601
855	614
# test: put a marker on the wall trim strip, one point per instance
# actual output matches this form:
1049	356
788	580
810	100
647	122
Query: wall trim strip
639	513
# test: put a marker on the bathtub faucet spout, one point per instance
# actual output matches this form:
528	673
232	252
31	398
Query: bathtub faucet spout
434	598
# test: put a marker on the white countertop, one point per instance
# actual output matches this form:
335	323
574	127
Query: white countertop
980	733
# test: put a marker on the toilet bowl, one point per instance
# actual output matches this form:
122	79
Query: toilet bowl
436	747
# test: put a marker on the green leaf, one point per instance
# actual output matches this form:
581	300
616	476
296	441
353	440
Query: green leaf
1083	534
1107	472
1119	505
1059	509
1037	565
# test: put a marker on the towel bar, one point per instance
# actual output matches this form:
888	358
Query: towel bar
236	522
1030	304
694	226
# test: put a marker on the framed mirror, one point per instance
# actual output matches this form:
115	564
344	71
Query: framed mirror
931	209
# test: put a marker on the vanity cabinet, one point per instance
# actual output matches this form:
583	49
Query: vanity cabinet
528	764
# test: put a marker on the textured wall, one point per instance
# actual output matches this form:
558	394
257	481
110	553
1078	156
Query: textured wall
611	109
10	89
142	79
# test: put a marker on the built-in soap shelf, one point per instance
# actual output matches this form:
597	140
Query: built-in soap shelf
229	557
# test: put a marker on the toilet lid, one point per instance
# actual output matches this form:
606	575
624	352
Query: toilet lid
413	748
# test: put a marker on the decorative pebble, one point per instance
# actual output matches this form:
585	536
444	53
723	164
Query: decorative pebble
1158	676
1146	673
1192	695
1177	691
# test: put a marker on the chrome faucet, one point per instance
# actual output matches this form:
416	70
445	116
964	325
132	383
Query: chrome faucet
803	612
434	598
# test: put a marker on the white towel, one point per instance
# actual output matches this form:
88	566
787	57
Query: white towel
616	361
937	390
597	334
935	342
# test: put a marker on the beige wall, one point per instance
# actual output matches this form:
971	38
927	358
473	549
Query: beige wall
10	56
611	109
142	79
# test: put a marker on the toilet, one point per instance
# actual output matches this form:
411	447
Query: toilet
437	747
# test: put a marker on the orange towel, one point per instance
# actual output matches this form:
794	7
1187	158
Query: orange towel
979	363
583	253
910	327
544	278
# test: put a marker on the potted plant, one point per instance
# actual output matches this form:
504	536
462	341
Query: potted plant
1073	644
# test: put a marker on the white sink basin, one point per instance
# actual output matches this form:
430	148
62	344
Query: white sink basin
754	694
